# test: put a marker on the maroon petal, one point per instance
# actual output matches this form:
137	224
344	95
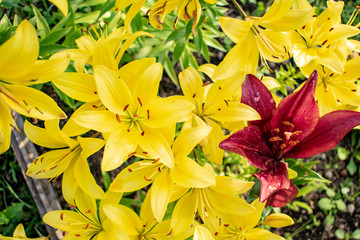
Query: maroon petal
299	109
273	179
283	196
251	143
330	129
256	95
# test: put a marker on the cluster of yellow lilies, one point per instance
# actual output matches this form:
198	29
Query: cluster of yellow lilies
123	105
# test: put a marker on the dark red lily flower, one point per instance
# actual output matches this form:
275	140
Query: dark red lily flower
291	130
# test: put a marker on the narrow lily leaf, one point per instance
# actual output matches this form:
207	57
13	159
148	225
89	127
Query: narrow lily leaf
330	129
86	180
5	126
161	190
119	146
278	220
19	52
188	139
124	217
41	137
41	23
31	102
257	96
156	146
112	90
134	177
80	86
162	112
188	173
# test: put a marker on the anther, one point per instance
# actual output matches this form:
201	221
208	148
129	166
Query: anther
159	169
353	90
296	133
324	42
206	83
283	145
39	110
158	159
331	29
314	15
139	101
88	211
294	143
274	139
276	130
126	107
53	167
94	106
194	95
87	225
227	103
145	152
303	27
130	170
131	154
142	133
287	123
147	179
118	118
332	74
171	230
62	216
77	235
148	114
226	225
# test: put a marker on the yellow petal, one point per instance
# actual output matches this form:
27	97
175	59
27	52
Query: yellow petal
161	190
188	173
136	176
103	55
328	58
188	139
208	69
235	29
89	146
352	71
31	102
147	85
278	220
86	204
232	112
112	90
124	217
152	142
292	174
19	53
183	214
134	9
162	112
80	86
71	128
42	137
53	129
96	119
110	197
69	185
258	233
227	185
202	233
131	71
191	86
211	149
64	220
5	126
19	231
277	10
62	5
119	146
86	180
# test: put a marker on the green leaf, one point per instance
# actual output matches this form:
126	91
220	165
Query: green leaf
329	220
351	167
5	23
174	35
340	204
331	193
340	234
55	36
3	219
178	50
169	70
107	179
89	3
14	211
303	205
65	98
305	174
342	153
189	28
108	5
62	23
325	204
309	188
198	39
356	234
50	49
41	23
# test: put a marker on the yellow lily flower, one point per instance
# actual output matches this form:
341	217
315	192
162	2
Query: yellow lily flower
70	158
186	10
19	234
213	105
335	90
132	112
20	68
143	227
312	42
86	223
245	226
185	172
112	47
212	201
262	36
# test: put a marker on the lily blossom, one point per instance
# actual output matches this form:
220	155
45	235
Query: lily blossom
291	130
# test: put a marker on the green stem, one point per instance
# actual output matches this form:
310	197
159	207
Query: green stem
237	5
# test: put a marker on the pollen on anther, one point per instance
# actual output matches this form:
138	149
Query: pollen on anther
276	130
283	145
274	139
130	170
216	233
303	27
294	143
287	123
87	225
62	216
148	113
226	225
94	106
194	95
332	74
227	103
159	169
118	118
147	179
77	235
324	42
88	211
142	133
126	107
145	152
139	101
206	83
331	29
